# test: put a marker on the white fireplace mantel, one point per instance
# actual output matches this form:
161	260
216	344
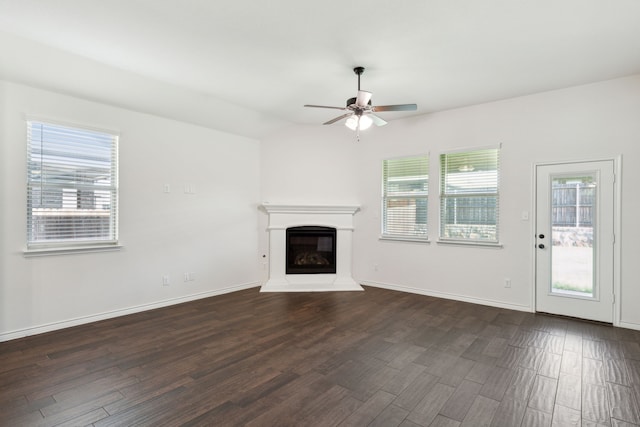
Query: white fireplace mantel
283	216
310	209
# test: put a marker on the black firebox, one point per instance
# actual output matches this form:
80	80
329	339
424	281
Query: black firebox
311	250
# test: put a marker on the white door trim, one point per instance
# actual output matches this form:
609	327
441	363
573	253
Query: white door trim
617	216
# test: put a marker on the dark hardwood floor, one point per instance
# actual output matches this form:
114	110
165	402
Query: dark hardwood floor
373	358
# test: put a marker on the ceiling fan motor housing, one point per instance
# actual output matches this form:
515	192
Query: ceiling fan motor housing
352	101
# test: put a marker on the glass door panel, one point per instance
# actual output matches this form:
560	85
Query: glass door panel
573	235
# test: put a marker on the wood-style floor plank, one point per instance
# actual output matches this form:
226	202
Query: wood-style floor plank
373	358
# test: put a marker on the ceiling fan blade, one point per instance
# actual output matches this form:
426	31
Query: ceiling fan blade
401	107
337	118
363	98
377	120
324	106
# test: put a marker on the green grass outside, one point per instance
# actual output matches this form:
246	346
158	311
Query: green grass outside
571	287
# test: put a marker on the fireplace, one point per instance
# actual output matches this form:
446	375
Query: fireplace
311	250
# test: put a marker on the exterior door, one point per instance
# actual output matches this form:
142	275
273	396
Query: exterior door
575	239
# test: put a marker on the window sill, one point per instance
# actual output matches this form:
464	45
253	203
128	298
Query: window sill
69	250
475	244
405	239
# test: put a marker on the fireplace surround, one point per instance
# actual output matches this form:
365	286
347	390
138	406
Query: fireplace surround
314	221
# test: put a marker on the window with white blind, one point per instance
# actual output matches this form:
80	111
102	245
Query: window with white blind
405	188
469	196
72	188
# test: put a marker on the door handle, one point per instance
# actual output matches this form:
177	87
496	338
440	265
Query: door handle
541	246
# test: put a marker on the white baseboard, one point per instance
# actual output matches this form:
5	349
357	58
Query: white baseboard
629	325
446	295
7	336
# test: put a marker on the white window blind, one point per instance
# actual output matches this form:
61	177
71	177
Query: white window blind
469	200
72	189
405	189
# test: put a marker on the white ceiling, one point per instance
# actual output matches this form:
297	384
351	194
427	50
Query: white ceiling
247	67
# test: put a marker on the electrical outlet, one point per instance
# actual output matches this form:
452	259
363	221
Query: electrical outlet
507	283
165	280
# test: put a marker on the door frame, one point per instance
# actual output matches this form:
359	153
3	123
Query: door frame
617	216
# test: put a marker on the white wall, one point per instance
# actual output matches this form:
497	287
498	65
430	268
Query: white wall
212	233
217	233
587	122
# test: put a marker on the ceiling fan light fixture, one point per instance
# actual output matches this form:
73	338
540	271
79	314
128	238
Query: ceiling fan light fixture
365	122
356	122
352	122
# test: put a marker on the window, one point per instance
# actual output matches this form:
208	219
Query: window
72	189
469	202
405	187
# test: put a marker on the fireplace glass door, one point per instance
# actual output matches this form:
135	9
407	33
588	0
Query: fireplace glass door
311	250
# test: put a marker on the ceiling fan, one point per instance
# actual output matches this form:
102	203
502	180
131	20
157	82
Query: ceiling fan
360	111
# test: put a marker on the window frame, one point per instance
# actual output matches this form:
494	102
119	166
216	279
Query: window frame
417	195
445	196
110	190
